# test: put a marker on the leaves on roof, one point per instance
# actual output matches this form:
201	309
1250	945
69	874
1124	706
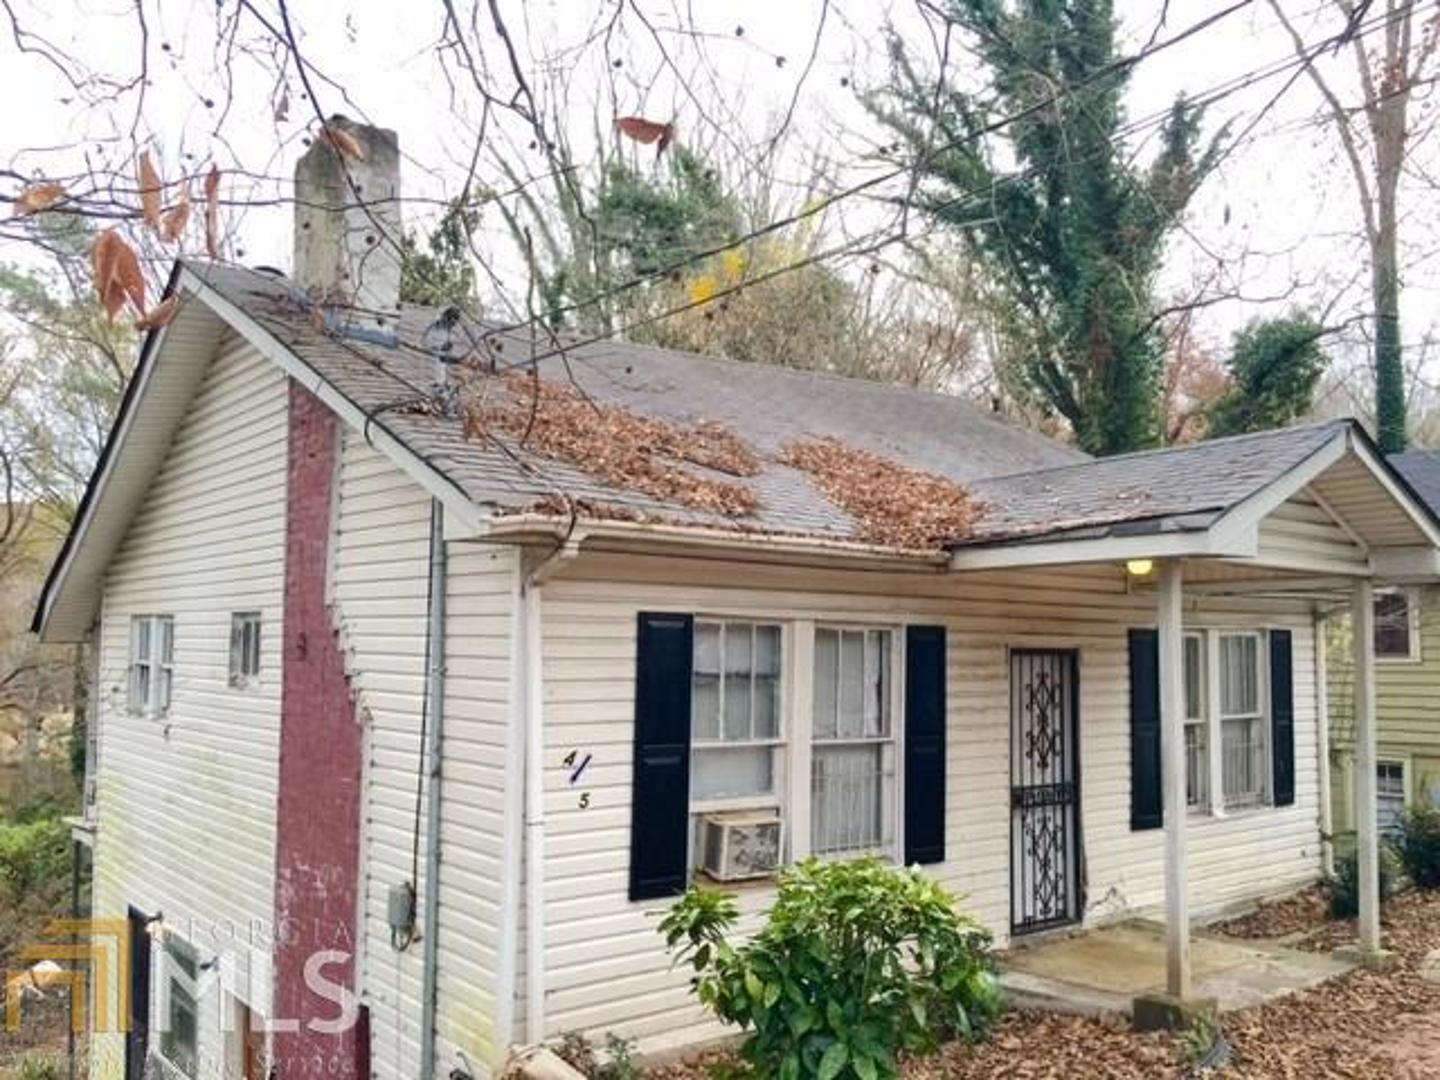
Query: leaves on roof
613	444
893	504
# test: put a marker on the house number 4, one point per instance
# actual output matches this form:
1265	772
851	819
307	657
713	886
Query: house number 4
576	765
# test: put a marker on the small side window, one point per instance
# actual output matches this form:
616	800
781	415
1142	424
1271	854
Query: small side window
1395	637
152	654
244	649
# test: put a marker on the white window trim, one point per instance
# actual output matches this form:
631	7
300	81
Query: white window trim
1264	799
152	662
1403	763
168	975
237	678
792	796
1412	615
1207	694
1214	720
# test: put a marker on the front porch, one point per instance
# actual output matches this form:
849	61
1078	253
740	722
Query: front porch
1324	529
1102	972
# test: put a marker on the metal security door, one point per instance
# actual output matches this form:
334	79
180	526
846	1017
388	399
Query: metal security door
1044	789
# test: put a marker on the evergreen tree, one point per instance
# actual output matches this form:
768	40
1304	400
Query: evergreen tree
444	274
1275	365
1051	203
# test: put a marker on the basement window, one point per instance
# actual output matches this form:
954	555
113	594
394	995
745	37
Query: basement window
244	649
152	669
179	1040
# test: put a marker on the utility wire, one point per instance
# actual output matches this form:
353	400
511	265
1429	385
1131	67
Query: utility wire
876	240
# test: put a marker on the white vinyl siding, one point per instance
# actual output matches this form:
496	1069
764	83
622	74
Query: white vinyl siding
606	965
380	570
208	540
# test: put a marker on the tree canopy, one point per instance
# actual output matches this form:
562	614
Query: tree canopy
1069	227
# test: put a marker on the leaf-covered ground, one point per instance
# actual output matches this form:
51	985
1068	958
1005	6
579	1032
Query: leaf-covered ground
1361	1026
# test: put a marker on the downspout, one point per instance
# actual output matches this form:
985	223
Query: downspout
531	609
435	693
512	869
1322	745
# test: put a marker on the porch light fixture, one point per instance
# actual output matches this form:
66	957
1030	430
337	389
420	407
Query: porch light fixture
1139	567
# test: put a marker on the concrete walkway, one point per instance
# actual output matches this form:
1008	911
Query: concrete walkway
1101	971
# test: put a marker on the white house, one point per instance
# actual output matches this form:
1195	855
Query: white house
353	650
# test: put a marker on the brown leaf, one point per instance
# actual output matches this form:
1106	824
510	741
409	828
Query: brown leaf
160	315
646	131
212	212
37	197
116	271
150	188
172	226
342	142
282	107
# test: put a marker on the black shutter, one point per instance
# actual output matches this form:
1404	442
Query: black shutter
1146	806
1282	716
660	810
924	744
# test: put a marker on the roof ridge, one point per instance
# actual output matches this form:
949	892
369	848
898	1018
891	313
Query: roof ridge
1162	451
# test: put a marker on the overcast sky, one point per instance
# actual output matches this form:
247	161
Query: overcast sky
1281	210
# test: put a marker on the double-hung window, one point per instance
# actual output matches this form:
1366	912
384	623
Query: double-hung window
1197	727
179	1040
1242	719
827	764
1396	630
852	763
735	712
1390	795
152	647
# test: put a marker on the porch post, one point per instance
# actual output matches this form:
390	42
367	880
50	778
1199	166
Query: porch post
1366	818
1172	746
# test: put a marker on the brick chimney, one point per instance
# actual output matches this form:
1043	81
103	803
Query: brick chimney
347	230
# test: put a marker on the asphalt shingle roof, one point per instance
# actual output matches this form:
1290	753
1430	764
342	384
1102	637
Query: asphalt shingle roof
1028	485
1421	470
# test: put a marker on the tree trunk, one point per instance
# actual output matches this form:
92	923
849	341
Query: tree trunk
1385	293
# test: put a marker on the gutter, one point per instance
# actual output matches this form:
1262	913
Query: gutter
515	526
435	692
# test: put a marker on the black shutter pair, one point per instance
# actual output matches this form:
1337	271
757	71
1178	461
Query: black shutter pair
660	799
1146	788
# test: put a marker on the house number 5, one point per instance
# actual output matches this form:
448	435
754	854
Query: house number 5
576	766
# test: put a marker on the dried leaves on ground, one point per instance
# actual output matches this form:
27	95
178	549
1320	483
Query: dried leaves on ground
1360	1026
892	504
615	445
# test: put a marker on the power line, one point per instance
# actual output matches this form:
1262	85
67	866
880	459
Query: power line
873	242
869	184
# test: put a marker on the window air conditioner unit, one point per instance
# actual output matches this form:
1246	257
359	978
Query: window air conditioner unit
741	846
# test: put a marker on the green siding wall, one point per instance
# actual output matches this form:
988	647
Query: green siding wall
1407	703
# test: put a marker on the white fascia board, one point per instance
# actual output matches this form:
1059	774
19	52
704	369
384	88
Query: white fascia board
76	542
1197	543
1384	476
454	500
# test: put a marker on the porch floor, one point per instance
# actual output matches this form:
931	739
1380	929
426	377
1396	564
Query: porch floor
1101	971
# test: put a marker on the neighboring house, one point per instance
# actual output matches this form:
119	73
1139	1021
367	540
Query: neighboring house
1407	685
352	659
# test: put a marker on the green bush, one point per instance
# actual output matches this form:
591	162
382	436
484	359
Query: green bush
33	854
857	962
39	1067
1345	886
1419	845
